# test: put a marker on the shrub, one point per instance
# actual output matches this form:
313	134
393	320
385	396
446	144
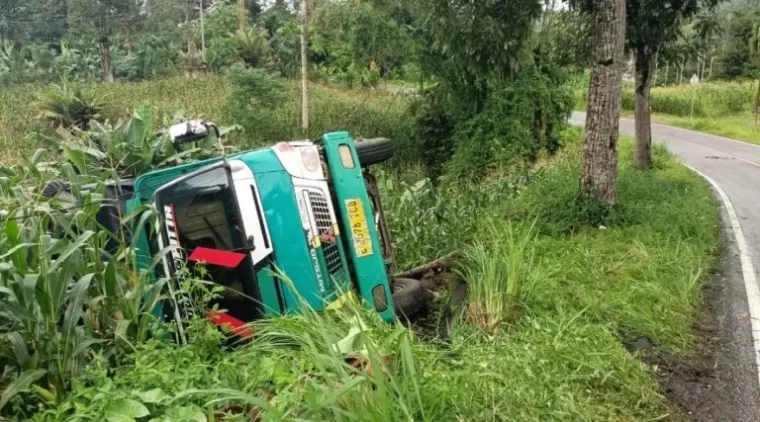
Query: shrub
519	121
68	107
429	220
435	129
255	100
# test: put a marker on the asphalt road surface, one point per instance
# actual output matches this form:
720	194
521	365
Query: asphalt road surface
731	391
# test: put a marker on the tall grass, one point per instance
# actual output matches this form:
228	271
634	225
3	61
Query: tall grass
710	99
500	271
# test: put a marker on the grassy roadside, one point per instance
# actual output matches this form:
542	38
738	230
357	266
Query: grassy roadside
740	127
720	108
561	360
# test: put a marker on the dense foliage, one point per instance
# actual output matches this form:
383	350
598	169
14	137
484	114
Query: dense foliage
353	42
549	319
78	335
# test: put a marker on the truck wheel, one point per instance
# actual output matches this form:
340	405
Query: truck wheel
408	296
374	150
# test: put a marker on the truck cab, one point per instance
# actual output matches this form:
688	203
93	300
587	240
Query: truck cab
294	224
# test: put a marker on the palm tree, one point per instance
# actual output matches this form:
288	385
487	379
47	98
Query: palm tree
253	46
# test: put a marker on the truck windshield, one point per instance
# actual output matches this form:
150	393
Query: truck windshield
202	217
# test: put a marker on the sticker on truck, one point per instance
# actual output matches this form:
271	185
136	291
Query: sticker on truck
357	221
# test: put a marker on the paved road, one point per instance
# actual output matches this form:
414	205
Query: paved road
735	167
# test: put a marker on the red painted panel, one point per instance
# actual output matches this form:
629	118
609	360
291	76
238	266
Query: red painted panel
235	325
217	257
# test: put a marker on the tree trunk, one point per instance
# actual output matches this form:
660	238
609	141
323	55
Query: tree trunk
712	62
599	172
106	72
656	68
644	68
667	72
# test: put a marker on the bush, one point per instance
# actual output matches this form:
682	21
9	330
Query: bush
501	272
255	100
68	107
519	121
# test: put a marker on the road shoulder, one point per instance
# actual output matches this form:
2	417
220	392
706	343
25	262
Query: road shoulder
718	380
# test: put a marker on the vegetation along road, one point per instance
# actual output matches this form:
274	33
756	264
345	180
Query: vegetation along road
733	169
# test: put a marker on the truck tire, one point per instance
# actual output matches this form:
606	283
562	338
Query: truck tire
374	150
53	188
408	296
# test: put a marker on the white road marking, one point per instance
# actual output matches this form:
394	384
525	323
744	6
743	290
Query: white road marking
748	270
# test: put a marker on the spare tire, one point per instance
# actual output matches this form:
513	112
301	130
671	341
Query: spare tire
374	150
408	296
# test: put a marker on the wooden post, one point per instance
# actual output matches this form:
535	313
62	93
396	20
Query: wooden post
203	32
304	70
241	15
757	101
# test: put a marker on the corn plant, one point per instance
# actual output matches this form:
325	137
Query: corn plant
62	296
710	99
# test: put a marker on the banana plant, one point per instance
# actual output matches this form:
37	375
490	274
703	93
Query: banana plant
127	148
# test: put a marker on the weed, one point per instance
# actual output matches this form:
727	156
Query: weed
501	274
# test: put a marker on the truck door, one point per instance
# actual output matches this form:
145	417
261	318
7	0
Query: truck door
202	219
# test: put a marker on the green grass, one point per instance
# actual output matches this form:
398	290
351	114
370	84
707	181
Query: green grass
561	360
740	127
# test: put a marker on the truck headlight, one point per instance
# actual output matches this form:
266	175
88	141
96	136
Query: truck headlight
310	158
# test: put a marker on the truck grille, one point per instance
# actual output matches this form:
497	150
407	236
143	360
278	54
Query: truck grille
321	209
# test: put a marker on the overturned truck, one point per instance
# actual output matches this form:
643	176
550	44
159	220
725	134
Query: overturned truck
295	224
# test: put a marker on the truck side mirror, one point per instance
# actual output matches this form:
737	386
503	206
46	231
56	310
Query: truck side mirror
190	131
